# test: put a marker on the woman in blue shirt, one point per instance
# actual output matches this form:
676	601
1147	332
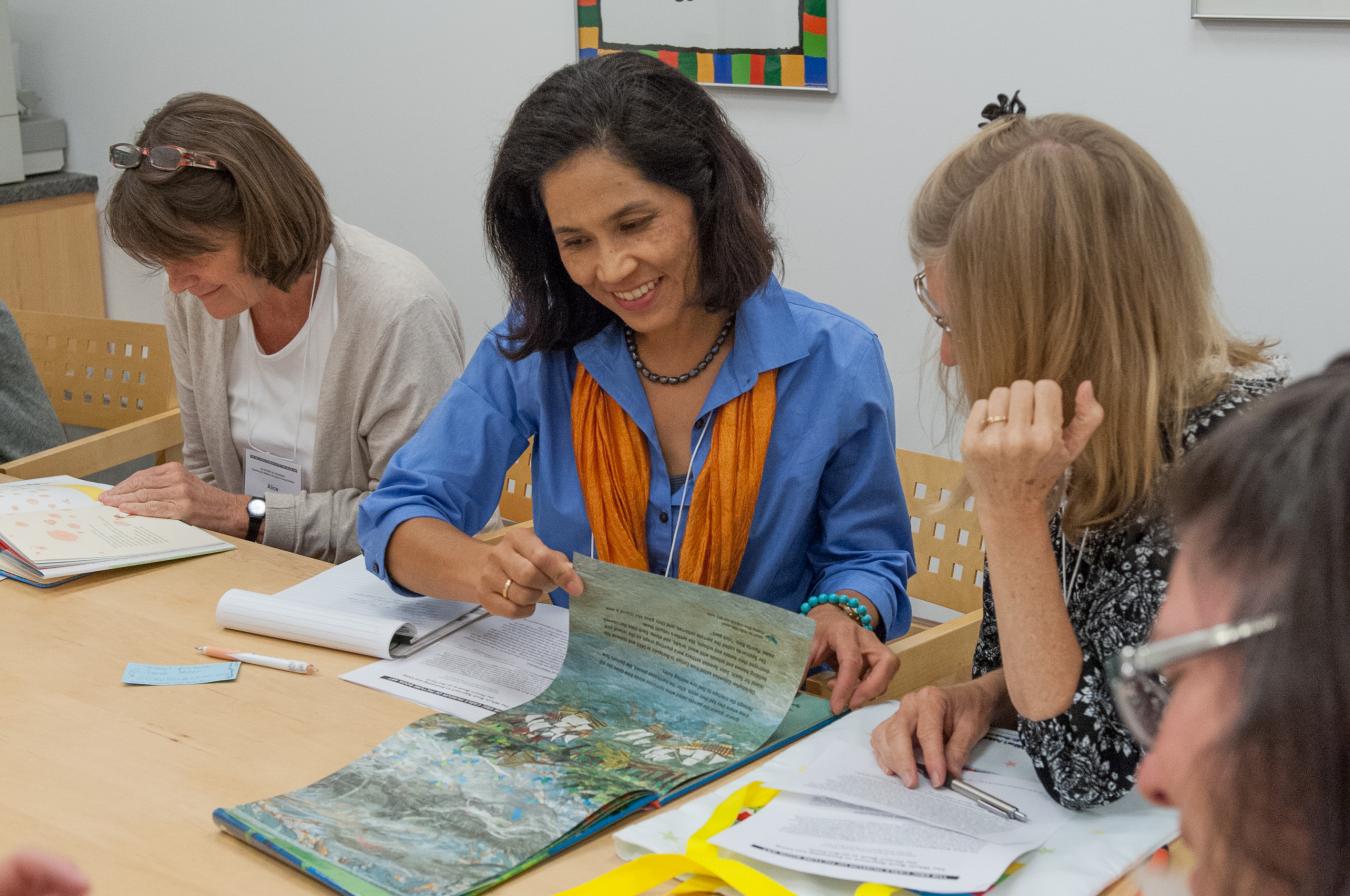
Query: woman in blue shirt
690	416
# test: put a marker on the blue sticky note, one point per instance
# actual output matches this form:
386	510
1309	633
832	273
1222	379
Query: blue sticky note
196	673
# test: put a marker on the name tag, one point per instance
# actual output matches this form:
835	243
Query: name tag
267	472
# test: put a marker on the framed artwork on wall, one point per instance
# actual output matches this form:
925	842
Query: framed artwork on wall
776	44
1272	10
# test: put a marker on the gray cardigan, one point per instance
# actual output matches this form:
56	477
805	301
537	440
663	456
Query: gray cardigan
397	349
27	422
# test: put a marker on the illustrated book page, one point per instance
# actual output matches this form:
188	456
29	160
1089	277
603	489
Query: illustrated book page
663	682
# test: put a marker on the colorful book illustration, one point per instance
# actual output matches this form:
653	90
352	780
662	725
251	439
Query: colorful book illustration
54	529
666	686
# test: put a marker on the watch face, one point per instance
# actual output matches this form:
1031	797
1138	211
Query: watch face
257	507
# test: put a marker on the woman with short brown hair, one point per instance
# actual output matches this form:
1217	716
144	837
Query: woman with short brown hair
284	324
1074	295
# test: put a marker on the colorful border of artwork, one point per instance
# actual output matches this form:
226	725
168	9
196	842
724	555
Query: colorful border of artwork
806	67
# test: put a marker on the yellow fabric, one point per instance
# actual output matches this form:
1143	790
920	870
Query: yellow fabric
709	870
615	474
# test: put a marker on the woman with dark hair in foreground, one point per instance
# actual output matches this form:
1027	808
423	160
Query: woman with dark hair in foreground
1247	732
689	415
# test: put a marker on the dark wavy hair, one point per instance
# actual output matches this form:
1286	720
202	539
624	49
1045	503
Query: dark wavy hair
1265	502
647	115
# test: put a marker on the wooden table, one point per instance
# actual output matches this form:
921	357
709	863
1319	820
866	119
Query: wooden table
124	779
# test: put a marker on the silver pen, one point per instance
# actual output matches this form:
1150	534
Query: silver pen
981	798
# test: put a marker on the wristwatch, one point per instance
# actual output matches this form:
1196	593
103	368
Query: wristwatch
257	512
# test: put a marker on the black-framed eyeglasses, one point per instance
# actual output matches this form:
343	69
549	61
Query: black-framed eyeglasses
1137	683
926	300
164	158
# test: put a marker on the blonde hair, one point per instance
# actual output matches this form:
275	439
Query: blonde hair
1067	254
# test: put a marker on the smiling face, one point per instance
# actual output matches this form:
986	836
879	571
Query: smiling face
630	243
1179	770
218	279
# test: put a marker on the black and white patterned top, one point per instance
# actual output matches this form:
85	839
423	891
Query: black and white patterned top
1085	756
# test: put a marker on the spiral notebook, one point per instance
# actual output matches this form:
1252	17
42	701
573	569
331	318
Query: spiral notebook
346	608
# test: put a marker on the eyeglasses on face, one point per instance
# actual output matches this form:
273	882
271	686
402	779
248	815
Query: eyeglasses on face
926	300
164	158
1141	691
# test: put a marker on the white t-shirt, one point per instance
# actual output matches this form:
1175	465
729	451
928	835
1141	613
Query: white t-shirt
266	409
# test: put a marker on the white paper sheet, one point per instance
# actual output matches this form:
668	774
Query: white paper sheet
345	608
848	772
492	665
1081	859
825	837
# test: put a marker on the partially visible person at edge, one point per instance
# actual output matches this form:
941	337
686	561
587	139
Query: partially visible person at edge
32	873
306	350
1073	293
1241	696
690	416
27	422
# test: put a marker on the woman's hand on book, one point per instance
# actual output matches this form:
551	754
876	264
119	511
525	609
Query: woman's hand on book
943	723
863	664
520	571
169	491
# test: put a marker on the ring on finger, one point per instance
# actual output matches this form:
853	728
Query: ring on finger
506	589
997	418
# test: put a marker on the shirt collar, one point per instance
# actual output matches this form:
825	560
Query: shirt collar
767	337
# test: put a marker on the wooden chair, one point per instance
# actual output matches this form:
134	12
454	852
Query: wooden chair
948	547
110	375
517	505
949	552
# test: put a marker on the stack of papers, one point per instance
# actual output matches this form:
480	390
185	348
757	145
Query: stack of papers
844	817
481	669
838	821
54	529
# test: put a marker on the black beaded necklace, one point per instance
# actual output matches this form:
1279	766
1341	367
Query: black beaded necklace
684	377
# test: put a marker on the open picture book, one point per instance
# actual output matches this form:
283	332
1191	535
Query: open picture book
666	686
54	529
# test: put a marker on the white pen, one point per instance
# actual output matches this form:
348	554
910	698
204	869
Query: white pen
258	659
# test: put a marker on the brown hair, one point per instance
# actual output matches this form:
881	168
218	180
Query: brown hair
1265	503
1069	255
264	193
647	115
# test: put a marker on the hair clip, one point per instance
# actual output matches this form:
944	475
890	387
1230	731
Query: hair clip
1005	106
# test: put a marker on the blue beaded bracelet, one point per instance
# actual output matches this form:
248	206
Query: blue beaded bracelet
850	605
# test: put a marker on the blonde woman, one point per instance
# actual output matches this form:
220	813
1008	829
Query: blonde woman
1074	295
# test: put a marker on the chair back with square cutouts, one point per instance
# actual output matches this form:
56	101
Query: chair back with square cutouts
517	505
100	373
948	546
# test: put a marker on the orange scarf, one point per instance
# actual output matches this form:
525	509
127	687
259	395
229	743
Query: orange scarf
615	474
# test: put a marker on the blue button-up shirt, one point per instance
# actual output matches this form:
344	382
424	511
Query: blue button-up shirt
830	514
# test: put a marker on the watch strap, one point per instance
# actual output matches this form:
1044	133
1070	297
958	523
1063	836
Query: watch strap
255	521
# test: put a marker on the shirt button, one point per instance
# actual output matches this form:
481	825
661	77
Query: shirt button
665	517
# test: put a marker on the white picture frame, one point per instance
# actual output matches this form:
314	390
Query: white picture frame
1272	10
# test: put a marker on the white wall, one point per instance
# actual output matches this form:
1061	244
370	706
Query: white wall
397	105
